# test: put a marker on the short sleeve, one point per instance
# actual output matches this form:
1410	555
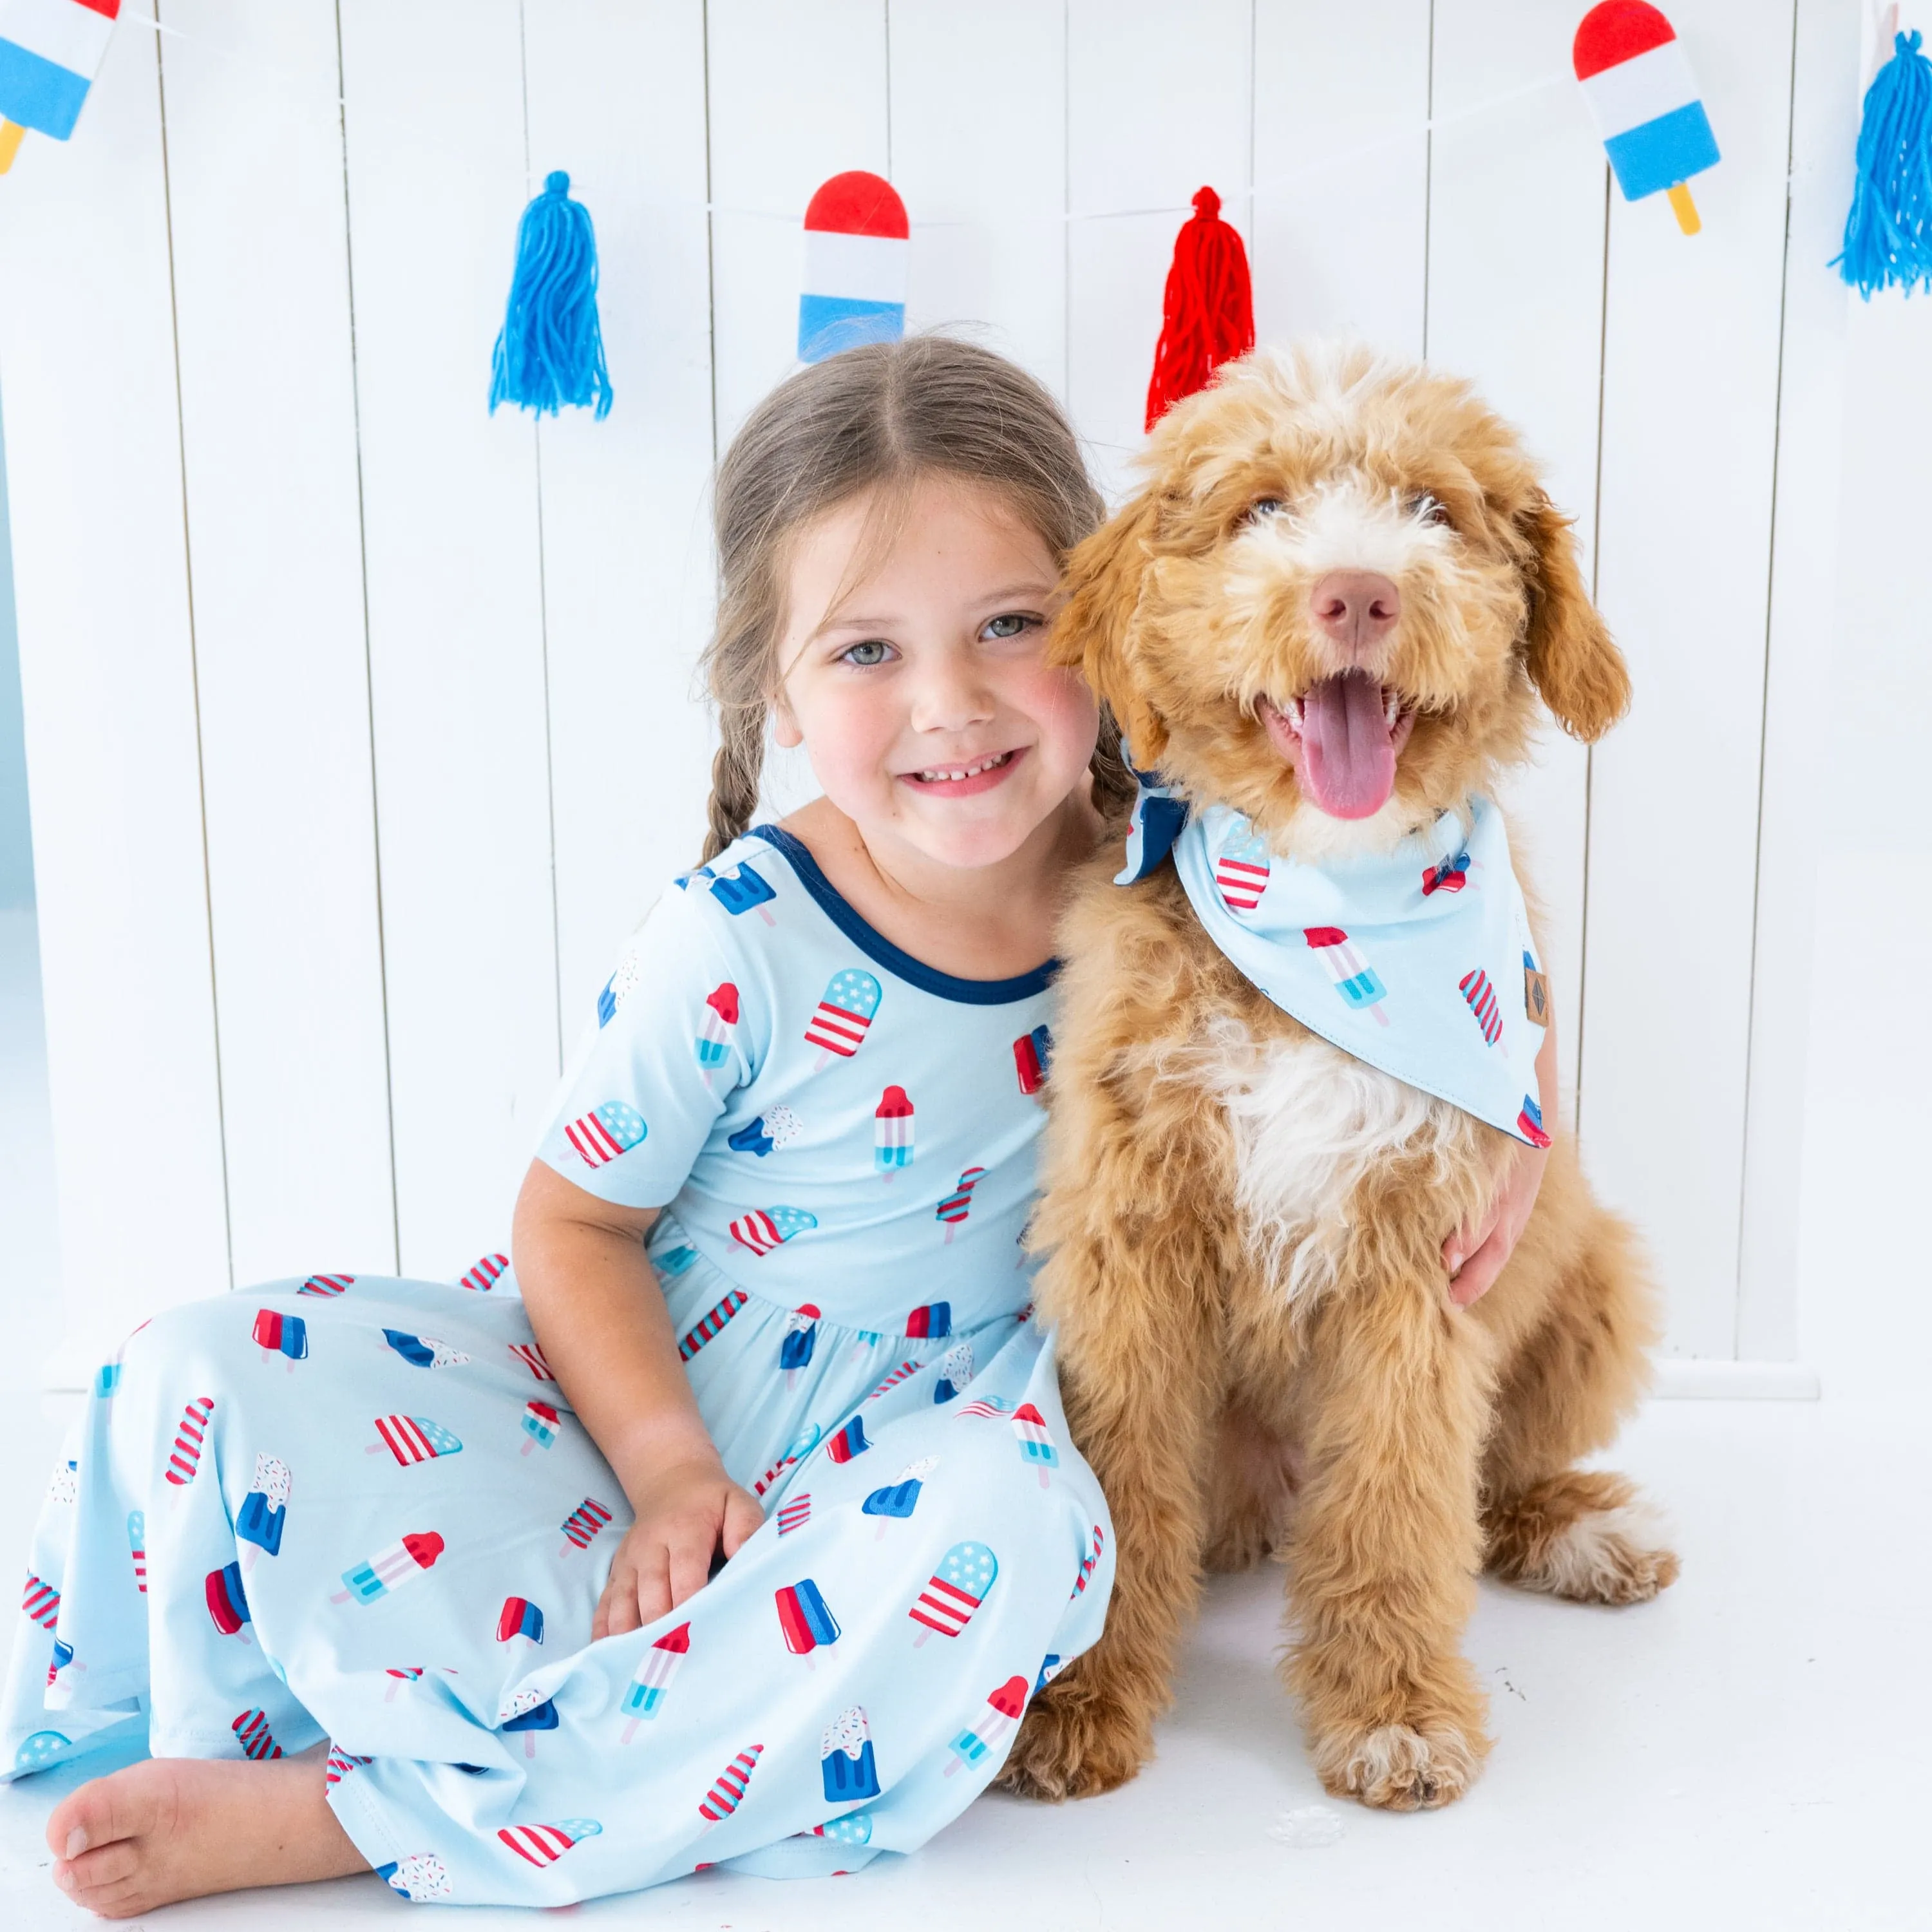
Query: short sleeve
640	1102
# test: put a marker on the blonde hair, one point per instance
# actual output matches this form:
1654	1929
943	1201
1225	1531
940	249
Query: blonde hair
874	419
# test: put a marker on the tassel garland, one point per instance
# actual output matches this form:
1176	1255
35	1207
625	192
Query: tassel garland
551	350
1207	314
1888	232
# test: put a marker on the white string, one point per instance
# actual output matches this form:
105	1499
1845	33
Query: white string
1250	194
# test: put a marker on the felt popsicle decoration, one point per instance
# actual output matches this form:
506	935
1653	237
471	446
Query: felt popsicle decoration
1639	83
857	242
50	50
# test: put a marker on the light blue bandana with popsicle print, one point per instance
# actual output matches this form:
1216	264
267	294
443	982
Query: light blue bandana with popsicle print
1418	960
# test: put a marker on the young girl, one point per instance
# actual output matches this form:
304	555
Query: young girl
769	1305
772	1304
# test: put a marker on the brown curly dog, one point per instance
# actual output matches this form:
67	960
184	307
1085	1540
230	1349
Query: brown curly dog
1243	1225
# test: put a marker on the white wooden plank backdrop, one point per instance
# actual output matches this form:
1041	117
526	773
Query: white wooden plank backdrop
361	725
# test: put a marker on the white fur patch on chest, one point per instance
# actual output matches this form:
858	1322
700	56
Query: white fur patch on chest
1310	1123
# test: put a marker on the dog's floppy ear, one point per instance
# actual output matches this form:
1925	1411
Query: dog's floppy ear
1571	659
1094	632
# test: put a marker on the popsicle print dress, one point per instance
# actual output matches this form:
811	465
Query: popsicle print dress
359	1509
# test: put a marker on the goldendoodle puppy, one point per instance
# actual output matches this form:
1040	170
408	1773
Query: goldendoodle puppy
1327	616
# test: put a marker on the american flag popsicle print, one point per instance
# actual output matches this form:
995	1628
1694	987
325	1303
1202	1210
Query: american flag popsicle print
601	1135
531	1355
583	1523
137	1543
191	1432
544	1844
988	1408
762	1229
1241	873
842	1018
957	1588
411	1438
728	1792
252	1732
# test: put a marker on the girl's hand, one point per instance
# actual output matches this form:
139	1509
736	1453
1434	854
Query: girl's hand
688	1512
1476	1253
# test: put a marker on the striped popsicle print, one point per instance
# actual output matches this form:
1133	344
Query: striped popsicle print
41	1602
185	1456
1480	990
709	1329
326	1284
728	1792
583	1523
485	1275
252	1733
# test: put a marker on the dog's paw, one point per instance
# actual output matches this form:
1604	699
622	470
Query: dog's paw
1398	1768
1604	1556
1074	1743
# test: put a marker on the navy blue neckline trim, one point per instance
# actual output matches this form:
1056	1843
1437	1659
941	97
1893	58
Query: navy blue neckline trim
877	947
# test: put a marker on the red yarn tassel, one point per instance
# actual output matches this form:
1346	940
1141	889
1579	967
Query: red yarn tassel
1208	315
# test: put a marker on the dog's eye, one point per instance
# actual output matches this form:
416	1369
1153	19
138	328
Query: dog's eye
1429	509
1261	508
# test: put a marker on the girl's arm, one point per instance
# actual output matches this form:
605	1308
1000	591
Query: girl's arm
1475	1255
596	1309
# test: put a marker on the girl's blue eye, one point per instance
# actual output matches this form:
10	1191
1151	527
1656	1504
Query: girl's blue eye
1010	624
871	652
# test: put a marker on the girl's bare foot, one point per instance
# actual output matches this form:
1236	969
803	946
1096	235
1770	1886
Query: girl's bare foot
180	1828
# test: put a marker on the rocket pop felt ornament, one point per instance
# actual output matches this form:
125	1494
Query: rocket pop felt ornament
1208	311
50	50
1889	230
1633	72
857	246
551	350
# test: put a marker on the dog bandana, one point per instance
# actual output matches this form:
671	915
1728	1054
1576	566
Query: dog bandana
1418	960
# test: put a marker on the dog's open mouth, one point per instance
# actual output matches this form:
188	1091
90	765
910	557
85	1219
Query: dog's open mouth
1342	736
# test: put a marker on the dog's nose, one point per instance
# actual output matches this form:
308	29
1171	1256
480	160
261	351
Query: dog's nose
1356	608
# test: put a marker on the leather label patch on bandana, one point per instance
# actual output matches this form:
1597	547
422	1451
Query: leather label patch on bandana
1535	995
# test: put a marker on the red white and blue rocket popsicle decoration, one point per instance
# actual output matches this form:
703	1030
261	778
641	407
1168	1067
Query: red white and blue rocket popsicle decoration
762	1229
391	1568
1036	1442
847	1765
956	1589
520	1617
284	1335
544	1844
50	50
805	1617
1359	984
717	1027
601	1135
1006	1705
858	244
728	1792
1640	87
839	1023
892	1131
655	1668
541	1424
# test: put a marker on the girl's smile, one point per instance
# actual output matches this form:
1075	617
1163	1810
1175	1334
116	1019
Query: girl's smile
968	778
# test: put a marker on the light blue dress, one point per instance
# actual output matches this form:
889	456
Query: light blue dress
358	1509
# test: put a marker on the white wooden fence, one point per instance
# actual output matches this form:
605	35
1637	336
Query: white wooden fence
360	724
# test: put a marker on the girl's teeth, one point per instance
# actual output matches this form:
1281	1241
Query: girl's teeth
966	772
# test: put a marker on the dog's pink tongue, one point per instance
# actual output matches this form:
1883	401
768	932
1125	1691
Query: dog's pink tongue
1347	761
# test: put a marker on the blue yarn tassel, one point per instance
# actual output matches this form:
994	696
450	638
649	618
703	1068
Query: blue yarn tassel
551	350
1888	232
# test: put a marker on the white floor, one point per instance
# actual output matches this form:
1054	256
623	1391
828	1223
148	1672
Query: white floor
1748	1751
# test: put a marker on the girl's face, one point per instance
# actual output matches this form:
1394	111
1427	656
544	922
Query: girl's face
919	691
